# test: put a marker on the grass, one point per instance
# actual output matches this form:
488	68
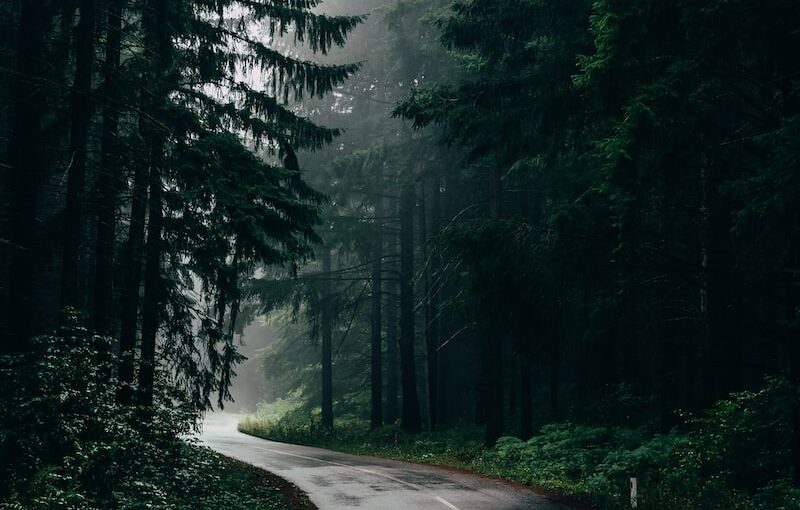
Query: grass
455	447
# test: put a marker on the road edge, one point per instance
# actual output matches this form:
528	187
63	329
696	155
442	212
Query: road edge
552	496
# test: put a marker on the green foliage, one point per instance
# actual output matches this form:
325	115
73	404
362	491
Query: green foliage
220	84
67	444
290	411
182	478
354	436
733	456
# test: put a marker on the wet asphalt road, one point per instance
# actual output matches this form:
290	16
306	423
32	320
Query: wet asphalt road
337	481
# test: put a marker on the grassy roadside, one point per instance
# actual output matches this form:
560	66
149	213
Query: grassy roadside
459	448
67	443
190	478
228	484
734	456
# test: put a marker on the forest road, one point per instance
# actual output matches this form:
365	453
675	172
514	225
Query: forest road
336	480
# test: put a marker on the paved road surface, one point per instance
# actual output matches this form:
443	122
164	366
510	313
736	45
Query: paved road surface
336	480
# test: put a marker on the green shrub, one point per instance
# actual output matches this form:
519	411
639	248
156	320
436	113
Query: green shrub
67	444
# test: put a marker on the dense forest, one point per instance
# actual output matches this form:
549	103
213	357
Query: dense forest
149	164
556	242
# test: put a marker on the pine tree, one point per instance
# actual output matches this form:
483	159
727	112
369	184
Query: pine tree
216	211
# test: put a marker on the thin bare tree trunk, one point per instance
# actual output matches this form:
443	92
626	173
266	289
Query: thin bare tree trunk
376	343
327	342
392	354
410	419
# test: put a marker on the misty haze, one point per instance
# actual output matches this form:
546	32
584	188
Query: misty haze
399	254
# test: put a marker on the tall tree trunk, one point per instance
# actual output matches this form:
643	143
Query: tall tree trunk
667	363
794	347
132	278
25	162
513	369
108	181
376	344
327	341
156	24
525	396
151	304
24	169
492	341
555	366
436	326
392	354
706	369
723	359
80	116
157	43
793	342
410	419
723	300
493	382
430	340
63	44
431	344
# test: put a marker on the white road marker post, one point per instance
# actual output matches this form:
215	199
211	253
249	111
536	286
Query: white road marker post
634	493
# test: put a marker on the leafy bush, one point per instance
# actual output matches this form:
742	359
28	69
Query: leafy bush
733	456
66	443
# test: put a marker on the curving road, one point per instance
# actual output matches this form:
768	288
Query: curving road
337	481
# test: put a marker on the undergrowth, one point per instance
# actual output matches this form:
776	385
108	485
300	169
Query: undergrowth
65	442
734	456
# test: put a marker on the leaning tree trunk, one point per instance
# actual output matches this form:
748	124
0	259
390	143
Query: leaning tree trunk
327	342
108	181
80	116
410	420
25	162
